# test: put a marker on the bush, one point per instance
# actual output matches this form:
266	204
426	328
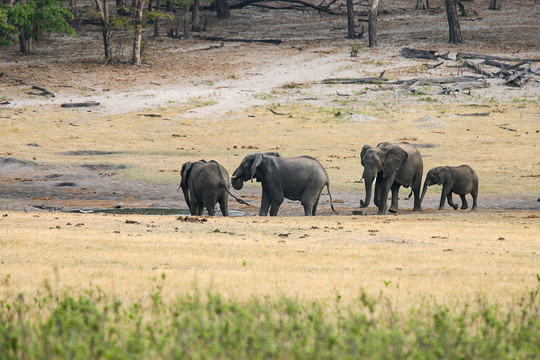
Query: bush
96	326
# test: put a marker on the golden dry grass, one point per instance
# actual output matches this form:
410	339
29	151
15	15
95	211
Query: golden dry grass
448	256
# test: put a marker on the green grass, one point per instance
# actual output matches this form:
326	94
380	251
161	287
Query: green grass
95	325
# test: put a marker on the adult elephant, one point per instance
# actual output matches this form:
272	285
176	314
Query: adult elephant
300	178
205	183
461	180
393	166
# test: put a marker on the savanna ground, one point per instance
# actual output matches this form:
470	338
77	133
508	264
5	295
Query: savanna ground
194	99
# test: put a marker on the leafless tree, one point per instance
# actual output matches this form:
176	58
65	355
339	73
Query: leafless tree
103	9
422	4
454	31
222	8
495	4
137	37
372	27
195	25
350	20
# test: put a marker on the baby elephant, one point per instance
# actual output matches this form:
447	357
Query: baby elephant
461	180
205	183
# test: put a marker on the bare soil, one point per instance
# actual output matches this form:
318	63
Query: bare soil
220	81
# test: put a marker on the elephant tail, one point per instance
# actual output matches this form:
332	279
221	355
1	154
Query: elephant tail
237	199
330	195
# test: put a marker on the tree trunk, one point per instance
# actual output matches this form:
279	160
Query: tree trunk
137	37
186	27
422	5
25	42
372	27
195	25
103	9
495	4
156	21
350	20
454	31
222	9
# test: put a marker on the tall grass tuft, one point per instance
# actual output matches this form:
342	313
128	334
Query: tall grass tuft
94	325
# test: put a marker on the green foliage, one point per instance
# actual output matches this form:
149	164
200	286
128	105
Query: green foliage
95	326
33	18
6	29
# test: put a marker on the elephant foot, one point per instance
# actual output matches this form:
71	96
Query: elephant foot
455	207
381	213
473	208
393	211
417	208
463	207
440	208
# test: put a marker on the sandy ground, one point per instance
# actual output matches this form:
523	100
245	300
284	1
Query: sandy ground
220	80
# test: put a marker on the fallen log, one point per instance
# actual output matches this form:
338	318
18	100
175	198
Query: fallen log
223	39
467	55
242	3
82	104
478	68
451	90
422	54
438	81
344	81
44	92
518	79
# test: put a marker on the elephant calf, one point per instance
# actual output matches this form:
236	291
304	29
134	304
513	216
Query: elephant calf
300	178
205	183
461	180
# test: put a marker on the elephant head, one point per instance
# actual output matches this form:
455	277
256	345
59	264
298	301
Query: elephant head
382	161
437	176
248	168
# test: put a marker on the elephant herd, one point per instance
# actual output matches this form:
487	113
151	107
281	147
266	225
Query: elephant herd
390	166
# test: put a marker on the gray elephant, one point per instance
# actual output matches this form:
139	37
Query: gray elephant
204	184
300	178
393	166
461	180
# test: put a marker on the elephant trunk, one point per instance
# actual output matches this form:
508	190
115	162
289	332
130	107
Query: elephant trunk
426	184
369	185
237	182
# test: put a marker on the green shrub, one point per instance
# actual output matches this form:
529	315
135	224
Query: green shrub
96	326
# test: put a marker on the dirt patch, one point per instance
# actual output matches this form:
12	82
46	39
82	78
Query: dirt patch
204	99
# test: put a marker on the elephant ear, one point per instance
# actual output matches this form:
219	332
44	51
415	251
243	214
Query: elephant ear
186	169
363	153
446	176
394	160
257	160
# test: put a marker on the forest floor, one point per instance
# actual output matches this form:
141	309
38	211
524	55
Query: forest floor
194	98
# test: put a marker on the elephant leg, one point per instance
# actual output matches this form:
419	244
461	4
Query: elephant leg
224	205
315	205
376	196
450	201
265	204
416	191
274	207
195	206
395	196
309	201
464	204
383	197
474	195
446	194
211	210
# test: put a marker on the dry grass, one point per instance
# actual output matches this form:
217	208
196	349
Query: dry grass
447	256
